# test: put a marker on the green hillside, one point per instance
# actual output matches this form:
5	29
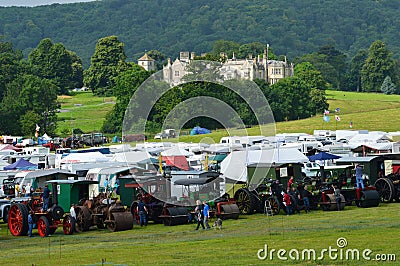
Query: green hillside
291	28
83	111
369	111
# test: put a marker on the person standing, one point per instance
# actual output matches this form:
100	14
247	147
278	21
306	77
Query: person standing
296	196
287	203
30	223
199	214
359	179
46	197
338	197
290	182
206	212
28	190
305	194
142	210
17	189
72	213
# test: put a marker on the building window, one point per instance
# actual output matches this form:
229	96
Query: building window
176	73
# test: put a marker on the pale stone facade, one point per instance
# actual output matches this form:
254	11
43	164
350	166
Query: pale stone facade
249	68
146	62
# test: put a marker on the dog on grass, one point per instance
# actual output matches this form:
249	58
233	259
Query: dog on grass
217	224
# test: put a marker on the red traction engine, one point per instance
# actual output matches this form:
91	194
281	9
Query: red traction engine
46	221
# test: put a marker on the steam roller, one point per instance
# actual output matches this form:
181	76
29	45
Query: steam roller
119	219
175	216
329	203
227	211
368	198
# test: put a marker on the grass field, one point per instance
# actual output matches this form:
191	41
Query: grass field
371	111
238	242
83	111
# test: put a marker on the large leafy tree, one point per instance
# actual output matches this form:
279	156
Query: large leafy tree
54	62
10	65
356	65
377	67
290	99
26	95
337	60
309	74
107	62
126	84
314	79
330	62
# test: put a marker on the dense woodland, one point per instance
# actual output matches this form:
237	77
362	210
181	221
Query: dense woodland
293	28
35	69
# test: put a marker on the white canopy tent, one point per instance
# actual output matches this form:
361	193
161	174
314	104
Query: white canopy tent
234	166
87	157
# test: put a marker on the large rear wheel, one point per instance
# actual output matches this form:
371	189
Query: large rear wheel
82	218
245	200
18	219
275	206
43	226
68	226
385	188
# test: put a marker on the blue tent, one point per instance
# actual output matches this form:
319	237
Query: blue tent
199	130
21	164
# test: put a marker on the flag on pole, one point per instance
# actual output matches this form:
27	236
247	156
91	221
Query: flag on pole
326	112
160	170
327	118
337	118
206	163
351	124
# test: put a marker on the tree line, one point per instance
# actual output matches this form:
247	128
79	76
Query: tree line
292	27
29	87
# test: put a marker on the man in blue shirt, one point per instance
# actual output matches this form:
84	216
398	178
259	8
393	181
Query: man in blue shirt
30	223
142	210
359	179
46	197
206	212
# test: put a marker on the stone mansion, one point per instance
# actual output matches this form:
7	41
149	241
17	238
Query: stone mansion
248	68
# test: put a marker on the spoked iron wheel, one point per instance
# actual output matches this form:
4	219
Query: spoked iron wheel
245	201
18	219
68	226
385	188
275	206
82	219
43	226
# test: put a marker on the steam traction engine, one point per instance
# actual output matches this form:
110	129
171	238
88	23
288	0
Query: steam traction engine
46	221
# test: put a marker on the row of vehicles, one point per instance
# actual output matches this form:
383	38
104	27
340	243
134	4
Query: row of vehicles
105	199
